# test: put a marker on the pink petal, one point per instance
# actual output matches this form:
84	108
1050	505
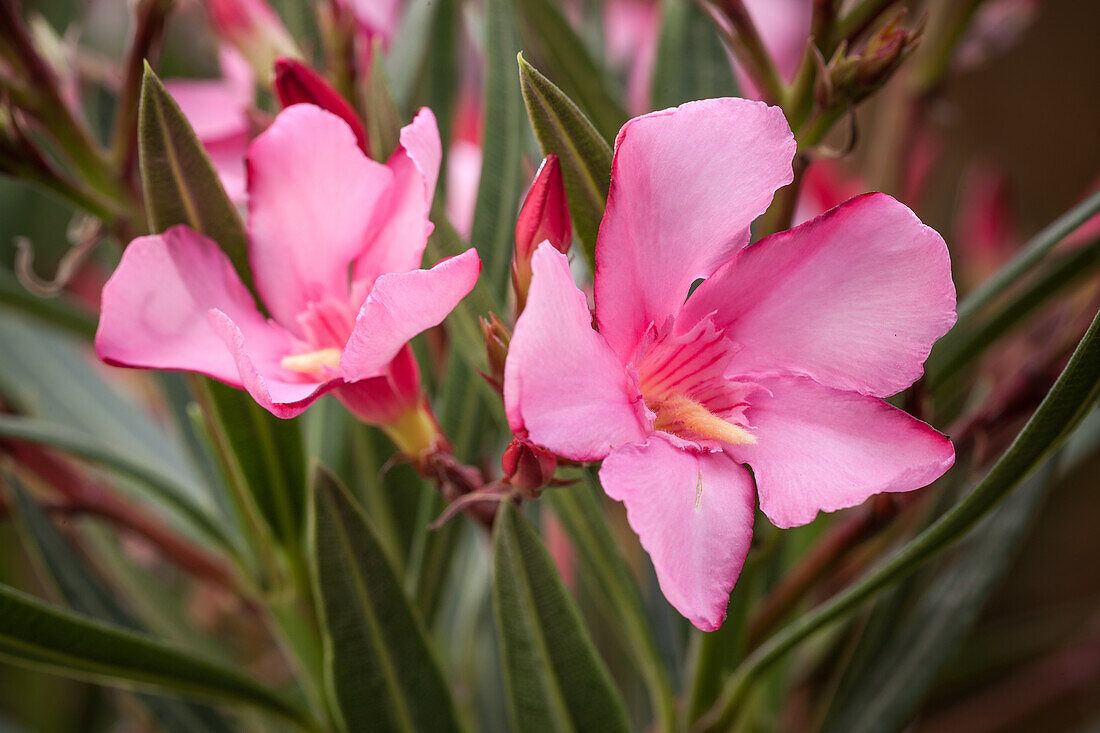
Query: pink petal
822	449
562	383
463	180
685	185
400	306
154	308
854	299
227	157
260	373
312	196
693	513
213	107
402	231
383	399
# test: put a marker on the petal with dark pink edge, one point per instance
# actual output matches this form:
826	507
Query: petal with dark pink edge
685	185
268	383
312	196
693	513
823	449
562	382
400	306
154	308
402	225
854	299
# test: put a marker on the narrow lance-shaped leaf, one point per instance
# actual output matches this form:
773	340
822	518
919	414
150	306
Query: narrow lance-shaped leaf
381	671
266	454
34	634
165	486
77	583
1069	400
614	588
585	157
554	679
881	697
970	338
383	118
570	63
692	62
501	183
179	181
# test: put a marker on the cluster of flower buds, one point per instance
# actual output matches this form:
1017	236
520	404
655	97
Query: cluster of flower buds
850	77
527	467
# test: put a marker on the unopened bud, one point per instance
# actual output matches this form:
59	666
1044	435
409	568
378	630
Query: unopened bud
255	29
497	338
297	83
543	218
851	77
527	466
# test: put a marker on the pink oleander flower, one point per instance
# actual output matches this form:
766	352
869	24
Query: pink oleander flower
632	29
780	359
336	241
218	110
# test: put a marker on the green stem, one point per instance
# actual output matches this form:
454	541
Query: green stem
1035	250
1071	398
751	51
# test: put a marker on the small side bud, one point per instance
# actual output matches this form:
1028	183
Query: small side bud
543	218
255	29
528	467
497	338
297	83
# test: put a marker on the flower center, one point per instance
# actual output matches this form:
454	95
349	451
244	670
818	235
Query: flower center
312	362
682	380
684	416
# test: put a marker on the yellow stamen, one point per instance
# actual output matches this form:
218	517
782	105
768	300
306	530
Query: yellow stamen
684	416
312	361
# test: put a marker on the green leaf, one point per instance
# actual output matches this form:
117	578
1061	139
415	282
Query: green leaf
692	62
166	486
382	118
382	673
180	183
65	568
468	408
614	588
58	312
36	635
585	157
1069	400
567	59
266	456
883	692
1034	251
501	181
554	679
970	338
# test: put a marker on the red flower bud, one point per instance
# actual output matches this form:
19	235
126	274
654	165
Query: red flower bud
527	466
543	218
297	83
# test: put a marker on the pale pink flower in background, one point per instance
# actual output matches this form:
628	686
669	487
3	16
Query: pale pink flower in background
335	243
779	359
464	164
825	184
255	29
784	27
632	29
218	110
